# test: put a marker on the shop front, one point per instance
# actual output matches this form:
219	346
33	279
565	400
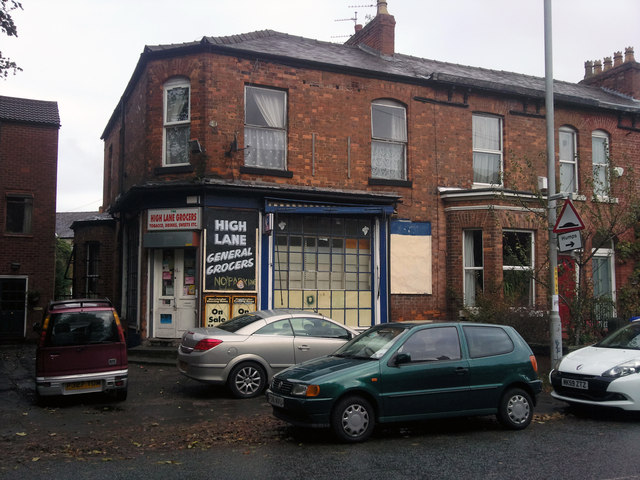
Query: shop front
173	241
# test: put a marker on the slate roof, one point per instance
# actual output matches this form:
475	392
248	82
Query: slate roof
366	61
65	220
41	112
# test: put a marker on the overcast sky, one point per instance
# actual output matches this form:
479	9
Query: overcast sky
81	53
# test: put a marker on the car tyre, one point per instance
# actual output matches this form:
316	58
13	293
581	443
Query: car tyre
247	380
353	419
121	395
516	409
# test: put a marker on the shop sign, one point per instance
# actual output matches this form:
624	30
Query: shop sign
174	219
230	260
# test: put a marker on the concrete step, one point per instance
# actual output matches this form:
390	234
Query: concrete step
155	352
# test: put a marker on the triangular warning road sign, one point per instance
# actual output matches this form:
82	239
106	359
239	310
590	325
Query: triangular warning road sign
569	220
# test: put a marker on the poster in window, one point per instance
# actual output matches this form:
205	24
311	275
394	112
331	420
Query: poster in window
242	305
216	310
230	260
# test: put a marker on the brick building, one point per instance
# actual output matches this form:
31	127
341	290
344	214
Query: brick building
265	170
28	162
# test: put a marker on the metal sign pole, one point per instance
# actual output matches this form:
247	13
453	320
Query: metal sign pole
555	327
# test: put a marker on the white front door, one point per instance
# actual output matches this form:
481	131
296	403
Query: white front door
175	291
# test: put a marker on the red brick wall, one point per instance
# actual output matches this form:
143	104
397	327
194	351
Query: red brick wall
28	162
108	263
336	108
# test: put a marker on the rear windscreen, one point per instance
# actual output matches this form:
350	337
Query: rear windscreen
82	328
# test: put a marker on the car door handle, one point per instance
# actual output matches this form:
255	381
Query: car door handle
303	347
462	371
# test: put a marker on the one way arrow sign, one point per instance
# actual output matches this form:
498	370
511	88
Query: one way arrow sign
569	220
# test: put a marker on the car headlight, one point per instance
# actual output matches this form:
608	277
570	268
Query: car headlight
302	390
624	369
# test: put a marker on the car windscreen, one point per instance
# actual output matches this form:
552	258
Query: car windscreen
372	344
236	323
82	328
626	337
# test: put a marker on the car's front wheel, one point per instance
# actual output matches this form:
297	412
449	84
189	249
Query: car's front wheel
516	409
247	380
353	419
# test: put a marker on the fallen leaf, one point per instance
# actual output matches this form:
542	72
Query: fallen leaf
35	459
21	434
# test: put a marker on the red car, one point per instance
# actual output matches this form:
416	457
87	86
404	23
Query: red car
82	349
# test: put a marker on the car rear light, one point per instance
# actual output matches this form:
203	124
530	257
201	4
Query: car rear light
534	362
207	344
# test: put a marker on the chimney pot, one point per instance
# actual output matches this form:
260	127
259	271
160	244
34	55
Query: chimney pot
628	55
597	67
607	63
358	27
617	59
382	8
588	69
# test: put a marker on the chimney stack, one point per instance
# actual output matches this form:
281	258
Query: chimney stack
379	33
623	76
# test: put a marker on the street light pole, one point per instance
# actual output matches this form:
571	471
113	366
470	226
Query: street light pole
555	327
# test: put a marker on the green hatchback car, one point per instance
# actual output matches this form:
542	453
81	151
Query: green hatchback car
409	371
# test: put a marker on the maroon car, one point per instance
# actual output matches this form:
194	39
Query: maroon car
82	349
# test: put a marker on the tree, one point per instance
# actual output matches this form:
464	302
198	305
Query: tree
8	28
611	215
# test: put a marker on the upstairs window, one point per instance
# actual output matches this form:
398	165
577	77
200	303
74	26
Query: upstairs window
19	214
487	150
177	121
265	128
388	140
568	160
600	157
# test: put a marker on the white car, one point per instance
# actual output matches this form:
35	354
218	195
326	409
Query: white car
606	374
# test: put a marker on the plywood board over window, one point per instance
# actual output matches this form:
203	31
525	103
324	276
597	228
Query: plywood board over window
411	258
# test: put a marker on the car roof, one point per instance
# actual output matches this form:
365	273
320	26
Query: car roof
76	303
282	311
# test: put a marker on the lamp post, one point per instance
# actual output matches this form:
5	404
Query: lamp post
555	327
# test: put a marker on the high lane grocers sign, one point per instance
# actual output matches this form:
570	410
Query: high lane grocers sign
230	260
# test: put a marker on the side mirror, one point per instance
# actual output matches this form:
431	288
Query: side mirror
402	358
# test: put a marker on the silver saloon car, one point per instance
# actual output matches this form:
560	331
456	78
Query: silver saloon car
246	351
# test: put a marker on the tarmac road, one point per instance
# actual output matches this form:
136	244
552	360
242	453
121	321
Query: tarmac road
165	414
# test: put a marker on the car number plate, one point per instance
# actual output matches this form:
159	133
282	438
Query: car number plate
275	400
83	385
571	383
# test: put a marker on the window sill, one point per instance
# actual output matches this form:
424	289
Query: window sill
18	234
173	169
266	171
391	183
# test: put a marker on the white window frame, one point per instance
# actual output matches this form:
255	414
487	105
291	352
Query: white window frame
275	125
178	82
600	190
470	267
609	255
396	140
568	163
524	268
479	149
